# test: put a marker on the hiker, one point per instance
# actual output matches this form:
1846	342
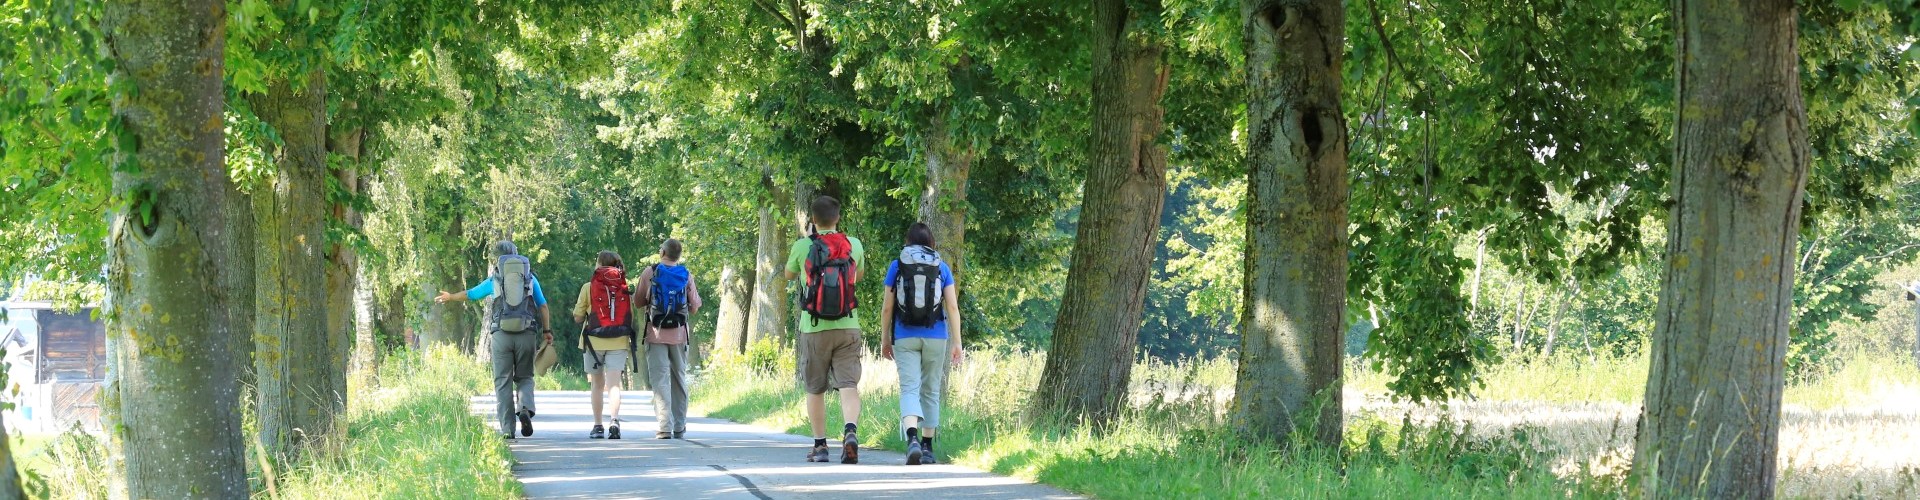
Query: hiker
830	344
668	291
920	332
513	320
605	314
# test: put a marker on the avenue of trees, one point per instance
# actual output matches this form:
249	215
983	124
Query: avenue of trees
269	190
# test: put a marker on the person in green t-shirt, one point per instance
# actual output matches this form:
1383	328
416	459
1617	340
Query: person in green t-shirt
830	344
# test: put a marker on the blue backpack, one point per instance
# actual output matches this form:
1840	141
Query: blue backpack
669	293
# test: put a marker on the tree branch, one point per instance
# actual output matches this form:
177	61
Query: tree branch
775	12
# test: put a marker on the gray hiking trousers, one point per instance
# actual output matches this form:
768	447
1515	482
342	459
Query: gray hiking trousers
667	372
513	367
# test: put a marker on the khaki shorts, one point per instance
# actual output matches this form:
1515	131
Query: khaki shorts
830	359
614	361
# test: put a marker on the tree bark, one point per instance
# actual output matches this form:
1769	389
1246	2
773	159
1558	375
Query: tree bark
730	334
392	320
446	323
1559	316
769	317
1915	297
297	401
241	283
943	205
1293	327
172	392
1710	423
1097	330
343	267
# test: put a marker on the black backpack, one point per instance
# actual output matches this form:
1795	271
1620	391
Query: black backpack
916	294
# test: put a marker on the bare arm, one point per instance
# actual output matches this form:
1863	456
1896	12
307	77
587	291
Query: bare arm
951	296
886	324
693	297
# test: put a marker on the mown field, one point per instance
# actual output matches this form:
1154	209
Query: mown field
1540	428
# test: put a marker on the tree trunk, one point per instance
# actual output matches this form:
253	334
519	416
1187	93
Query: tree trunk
366	339
943	205
241	283
1559	316
768	318
172	392
1522	316
1710	424
343	267
392	320
294	372
446	323
1294	325
1916	323
730	334
1098	326
1479	265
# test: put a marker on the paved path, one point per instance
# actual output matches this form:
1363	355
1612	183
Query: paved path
718	460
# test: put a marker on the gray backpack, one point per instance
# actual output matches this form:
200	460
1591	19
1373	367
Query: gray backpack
513	295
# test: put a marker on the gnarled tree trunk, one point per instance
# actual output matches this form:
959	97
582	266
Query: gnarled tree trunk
730	334
1293	326
1098	328
296	401
1710	424
172	391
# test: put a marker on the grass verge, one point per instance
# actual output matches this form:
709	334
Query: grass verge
1173	442
409	433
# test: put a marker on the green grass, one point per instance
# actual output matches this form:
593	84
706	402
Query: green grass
409	433
1173	443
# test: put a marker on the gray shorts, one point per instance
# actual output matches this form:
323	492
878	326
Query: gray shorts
614	361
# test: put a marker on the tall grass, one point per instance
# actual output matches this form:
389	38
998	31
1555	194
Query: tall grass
409	432
1172	442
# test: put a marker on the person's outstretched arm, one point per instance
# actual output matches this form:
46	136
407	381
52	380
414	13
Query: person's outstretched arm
478	292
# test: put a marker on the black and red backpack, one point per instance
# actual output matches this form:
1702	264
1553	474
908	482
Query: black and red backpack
612	304
830	270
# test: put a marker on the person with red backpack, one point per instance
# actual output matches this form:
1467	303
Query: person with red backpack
830	344
667	291
605	314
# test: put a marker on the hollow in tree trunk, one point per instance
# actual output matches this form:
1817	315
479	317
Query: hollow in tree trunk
1098	327
171	396
1293	326
1710	423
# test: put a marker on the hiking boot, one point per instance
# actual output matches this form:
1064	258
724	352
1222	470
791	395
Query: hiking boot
680	435
507	436
613	432
850	448
915	455
526	422
663	435
926	455
818	454
598	432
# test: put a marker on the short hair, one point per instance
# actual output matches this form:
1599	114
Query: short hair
920	234
505	247
824	209
670	250
610	259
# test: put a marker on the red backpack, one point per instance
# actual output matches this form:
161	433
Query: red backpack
612	303
830	268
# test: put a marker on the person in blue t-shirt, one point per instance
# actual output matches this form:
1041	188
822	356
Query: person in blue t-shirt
514	344
920	332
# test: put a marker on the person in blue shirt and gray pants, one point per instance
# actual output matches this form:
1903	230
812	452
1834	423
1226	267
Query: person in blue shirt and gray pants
519	308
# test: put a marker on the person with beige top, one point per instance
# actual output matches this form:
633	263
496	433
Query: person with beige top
605	313
670	297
